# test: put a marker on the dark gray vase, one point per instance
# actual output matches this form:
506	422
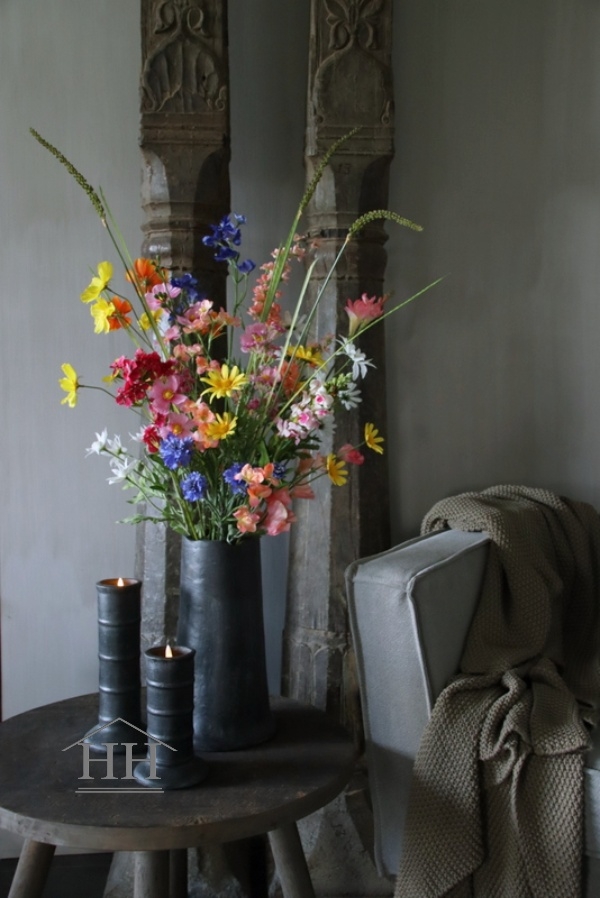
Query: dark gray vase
221	618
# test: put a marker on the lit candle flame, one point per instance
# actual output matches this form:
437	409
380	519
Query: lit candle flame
168	651
120	582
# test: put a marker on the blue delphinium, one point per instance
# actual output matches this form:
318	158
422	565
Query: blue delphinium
176	452
225	237
193	486
237	487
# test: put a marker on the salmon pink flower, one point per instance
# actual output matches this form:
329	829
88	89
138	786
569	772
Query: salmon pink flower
279	515
362	311
349	454
246	520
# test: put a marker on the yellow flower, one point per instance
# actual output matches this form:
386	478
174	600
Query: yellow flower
221	428
337	470
306	354
145	322
222	383
372	438
101	312
70	384
99	283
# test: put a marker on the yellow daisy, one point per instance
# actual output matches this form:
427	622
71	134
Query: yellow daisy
222	383
372	438
337	470
221	428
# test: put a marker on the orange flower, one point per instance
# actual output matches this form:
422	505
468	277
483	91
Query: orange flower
119	317
146	273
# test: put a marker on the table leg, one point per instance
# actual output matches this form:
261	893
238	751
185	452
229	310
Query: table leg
32	870
178	873
290	862
151	876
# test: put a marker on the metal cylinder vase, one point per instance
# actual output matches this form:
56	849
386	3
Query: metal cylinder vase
221	617
119	679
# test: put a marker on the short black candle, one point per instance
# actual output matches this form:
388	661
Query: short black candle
119	679
171	762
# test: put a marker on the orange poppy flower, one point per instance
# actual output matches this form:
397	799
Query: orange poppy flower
119	317
146	273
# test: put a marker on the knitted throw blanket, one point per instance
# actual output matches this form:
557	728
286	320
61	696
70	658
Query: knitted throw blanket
496	807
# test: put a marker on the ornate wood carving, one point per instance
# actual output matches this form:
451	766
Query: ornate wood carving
185	137
350	85
185	132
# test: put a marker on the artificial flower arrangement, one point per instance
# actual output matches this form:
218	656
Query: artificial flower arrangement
229	434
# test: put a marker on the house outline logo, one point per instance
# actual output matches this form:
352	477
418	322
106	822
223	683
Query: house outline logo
108	759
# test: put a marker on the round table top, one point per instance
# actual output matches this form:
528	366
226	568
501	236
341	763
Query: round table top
306	764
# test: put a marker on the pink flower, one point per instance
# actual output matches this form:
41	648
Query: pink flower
155	297
349	454
279	515
177	424
164	393
302	491
257	336
363	310
246	519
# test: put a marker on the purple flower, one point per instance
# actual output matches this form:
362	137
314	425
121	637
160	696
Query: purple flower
247	266
193	486
176	452
237	487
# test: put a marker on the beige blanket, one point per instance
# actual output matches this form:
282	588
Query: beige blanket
496	807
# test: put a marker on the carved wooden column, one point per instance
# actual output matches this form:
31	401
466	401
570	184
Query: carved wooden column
185	135
350	84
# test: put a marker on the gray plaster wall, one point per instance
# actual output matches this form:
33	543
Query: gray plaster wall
493	377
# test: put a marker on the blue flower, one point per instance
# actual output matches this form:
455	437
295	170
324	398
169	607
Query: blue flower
176	452
225	236
247	266
188	283
279	469
193	486
237	487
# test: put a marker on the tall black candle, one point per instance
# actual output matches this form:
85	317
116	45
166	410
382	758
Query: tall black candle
171	763
119	679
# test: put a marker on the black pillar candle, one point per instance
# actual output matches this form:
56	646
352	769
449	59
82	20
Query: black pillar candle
171	763
119	680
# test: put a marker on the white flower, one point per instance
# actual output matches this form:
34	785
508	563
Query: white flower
99	444
349	395
114	446
360	362
120	468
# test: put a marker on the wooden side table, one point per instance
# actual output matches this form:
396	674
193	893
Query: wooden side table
265	789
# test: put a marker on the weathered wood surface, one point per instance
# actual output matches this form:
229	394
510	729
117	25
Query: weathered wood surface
246	793
350	85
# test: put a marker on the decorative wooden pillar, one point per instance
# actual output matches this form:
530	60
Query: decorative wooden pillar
185	143
350	85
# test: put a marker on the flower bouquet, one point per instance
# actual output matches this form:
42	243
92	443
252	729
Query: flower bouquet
231	405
